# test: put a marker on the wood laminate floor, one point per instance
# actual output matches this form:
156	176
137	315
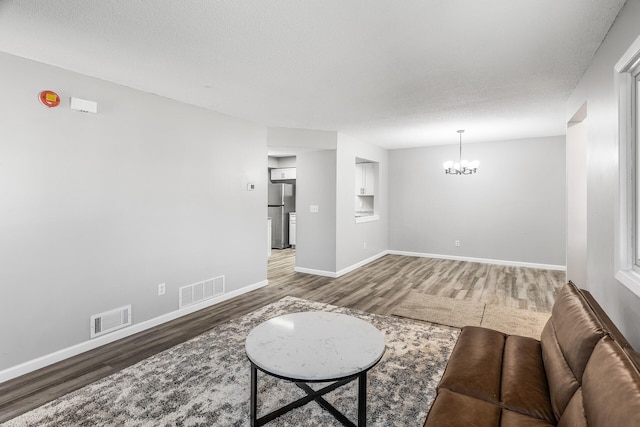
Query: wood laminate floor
377	288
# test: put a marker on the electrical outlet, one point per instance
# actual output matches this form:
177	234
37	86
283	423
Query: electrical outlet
457	243
364	245
162	288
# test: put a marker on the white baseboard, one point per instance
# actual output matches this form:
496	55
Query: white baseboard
481	260
324	273
361	263
336	274
65	353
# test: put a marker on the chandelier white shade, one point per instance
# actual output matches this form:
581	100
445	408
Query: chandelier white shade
461	167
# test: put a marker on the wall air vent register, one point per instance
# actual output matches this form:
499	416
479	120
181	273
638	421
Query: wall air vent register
110	321
193	294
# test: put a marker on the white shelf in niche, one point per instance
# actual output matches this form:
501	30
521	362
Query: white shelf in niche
369	218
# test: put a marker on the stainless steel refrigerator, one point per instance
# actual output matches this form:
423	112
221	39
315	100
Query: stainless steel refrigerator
281	202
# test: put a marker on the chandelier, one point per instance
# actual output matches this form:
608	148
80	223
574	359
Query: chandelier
462	167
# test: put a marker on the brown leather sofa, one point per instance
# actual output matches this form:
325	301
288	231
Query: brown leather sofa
582	372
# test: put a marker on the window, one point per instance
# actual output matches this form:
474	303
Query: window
627	260
635	90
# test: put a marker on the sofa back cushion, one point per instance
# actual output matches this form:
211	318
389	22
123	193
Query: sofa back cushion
567	342
573	415
611	387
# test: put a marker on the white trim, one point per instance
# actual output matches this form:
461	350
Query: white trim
482	260
630	58
336	274
624	221
324	273
349	269
65	353
361	263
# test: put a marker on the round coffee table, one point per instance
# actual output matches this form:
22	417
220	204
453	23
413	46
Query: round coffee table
314	347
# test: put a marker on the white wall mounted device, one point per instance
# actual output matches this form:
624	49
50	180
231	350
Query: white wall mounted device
83	105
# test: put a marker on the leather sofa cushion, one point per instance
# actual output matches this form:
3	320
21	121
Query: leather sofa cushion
504	370
475	366
611	387
453	409
524	381
458	410
562	383
577	328
567	342
515	419
573	415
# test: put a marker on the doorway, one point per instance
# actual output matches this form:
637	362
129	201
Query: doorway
281	207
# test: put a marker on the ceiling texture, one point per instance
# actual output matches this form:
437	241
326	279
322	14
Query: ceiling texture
392	73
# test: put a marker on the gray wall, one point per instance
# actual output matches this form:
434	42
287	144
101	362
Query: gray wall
98	209
316	232
513	209
288	138
330	241
596	89
352	237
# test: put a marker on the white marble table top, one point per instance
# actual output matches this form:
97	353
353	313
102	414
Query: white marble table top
315	346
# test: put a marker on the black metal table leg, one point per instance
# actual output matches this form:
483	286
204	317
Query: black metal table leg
311	395
362	399
254	395
326	405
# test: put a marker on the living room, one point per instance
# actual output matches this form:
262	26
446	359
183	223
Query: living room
99	209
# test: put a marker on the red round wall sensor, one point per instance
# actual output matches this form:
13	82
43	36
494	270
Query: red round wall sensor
49	98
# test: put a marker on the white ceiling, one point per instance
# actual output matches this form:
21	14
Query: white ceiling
392	73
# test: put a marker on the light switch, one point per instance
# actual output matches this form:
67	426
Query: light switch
313	208
251	187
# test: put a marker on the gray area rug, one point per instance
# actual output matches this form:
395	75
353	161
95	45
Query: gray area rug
459	313
205	381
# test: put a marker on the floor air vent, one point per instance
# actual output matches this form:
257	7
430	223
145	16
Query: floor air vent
192	294
111	320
